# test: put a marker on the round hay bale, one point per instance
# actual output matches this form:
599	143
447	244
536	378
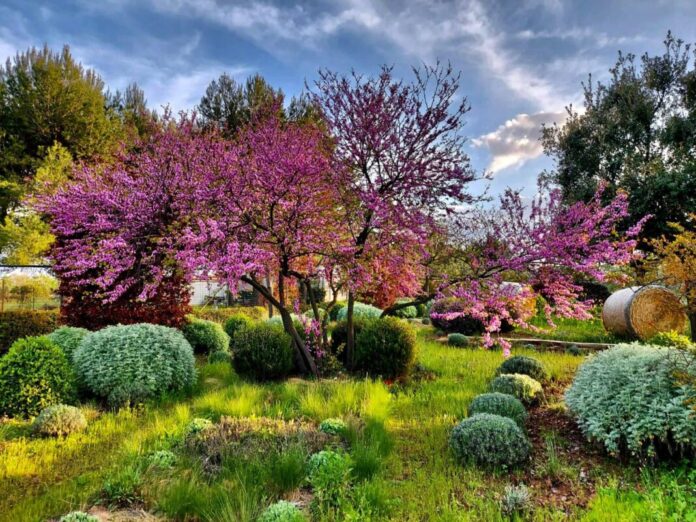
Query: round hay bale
642	311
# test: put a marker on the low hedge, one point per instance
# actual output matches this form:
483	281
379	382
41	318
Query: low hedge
25	323
221	314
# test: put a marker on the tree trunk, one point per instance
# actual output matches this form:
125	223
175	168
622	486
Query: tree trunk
692	323
303	359
350	331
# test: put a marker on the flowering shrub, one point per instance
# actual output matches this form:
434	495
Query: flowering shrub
68	338
457	339
523	387
499	404
626	398
34	374
25	323
489	440
205	336
386	348
362	310
59	420
523	365
282	511
263	351
129	363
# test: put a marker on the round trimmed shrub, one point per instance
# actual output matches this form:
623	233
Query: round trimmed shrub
68	338
34	374
362	310
263	351
523	387
385	347
131	363
523	365
627	399
59	420
339	334
333	426
206	336
282	511
499	404
489	440
235	323
220	357
78	516
458	340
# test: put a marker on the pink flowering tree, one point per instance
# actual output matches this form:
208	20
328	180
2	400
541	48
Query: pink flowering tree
545	246
398	162
118	229
270	219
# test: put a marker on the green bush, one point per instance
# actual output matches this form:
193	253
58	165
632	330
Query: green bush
131	363
68	338
195	427
499	404
34	374
235	323
408	312
458	340
59	420
524	365
523	387
78	516
673	339
385	347
339	335
362	310
328	473
282	511
489	440
626	398
220	357
206	336
263	351
162	459
333	313
333	426
25	323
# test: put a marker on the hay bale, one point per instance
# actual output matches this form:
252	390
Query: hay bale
642	311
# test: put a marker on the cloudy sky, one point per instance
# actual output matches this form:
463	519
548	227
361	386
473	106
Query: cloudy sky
522	61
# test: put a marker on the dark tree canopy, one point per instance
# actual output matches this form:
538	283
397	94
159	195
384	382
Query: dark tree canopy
638	133
131	106
47	97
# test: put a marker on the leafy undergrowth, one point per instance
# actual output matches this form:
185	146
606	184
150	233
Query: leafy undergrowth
397	440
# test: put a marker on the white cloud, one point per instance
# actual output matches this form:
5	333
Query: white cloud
517	140
579	34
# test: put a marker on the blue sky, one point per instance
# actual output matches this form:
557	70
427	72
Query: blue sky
522	60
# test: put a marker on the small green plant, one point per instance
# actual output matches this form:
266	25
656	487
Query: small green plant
59	420
458	340
78	516
162	459
196	426
234	323
574	349
523	387
672	339
425	320
328	473
122	489
385	348
263	351
489	440
553	467
220	357
524	365
68	338
333	426
282	511
362	310
499	404
206	337
34	374
367	460
516	500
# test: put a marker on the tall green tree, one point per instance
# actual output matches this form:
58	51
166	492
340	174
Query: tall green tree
137	119
47	97
637	133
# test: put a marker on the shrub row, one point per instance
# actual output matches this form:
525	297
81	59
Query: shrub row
25	323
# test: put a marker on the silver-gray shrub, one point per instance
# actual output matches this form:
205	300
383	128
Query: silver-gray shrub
627	399
131	363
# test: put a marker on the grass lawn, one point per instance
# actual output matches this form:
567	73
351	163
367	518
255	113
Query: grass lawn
403	469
